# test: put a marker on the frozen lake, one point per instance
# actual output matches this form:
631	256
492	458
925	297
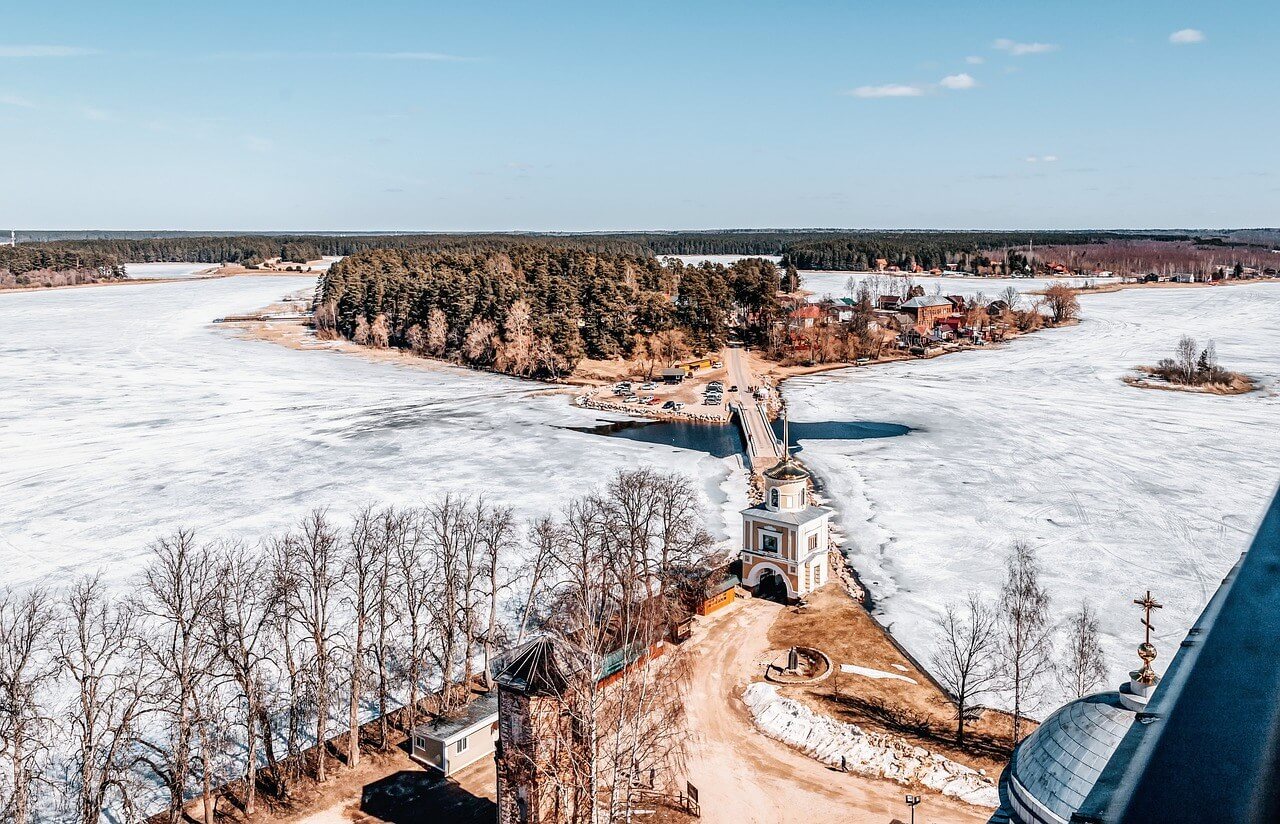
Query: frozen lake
127	414
1119	489
160	271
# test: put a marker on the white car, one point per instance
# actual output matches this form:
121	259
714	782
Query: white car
648	387
631	399
677	406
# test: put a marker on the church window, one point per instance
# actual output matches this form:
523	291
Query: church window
773	497
769	543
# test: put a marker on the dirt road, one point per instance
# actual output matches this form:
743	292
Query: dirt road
742	776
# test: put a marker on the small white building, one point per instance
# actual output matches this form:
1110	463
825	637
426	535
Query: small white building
785	538
449	744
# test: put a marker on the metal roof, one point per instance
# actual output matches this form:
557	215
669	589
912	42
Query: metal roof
918	302
1054	769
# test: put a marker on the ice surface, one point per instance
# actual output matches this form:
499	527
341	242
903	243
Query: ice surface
126	414
836	284
1119	489
153	271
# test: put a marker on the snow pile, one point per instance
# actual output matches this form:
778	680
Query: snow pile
866	753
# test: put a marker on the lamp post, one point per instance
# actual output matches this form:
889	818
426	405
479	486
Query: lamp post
912	801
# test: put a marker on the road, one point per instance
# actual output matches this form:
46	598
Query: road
762	446
742	776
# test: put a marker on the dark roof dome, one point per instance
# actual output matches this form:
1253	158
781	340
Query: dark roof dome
786	470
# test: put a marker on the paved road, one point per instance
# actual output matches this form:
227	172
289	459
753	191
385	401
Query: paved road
743	777
762	446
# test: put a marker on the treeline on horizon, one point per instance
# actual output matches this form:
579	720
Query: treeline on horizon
806	249
537	309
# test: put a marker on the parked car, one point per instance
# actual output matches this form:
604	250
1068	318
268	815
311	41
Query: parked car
631	399
733	388
649	387
677	406
652	400
669	405
862	361
715	385
717	364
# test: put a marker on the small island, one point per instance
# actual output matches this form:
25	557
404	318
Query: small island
1192	369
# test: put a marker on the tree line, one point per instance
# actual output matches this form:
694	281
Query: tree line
536	310
830	249
220	668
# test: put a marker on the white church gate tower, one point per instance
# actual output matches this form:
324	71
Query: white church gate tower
785	539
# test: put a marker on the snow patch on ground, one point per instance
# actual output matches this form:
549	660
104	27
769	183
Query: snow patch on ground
866	753
867	672
726	260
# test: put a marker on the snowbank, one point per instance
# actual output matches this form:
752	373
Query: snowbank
866	753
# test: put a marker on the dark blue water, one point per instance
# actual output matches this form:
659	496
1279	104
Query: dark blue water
723	441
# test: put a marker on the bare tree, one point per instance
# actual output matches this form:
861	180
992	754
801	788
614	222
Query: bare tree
314	565
240	617
1188	354
1062	302
26	669
1026	640
97	649
412	580
365	556
1084	668
1012	297
178	587
497	533
964	660
392	526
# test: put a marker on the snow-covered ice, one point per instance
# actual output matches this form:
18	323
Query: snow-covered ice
125	414
697	260
1119	489
867	753
157	271
836	284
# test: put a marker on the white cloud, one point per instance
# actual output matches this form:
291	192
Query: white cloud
95	114
887	90
1185	37
16	100
1041	159
975	60
1018	49
44	51
958	81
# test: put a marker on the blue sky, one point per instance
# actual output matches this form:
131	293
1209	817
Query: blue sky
590	116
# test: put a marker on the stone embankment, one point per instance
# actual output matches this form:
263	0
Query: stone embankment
866	753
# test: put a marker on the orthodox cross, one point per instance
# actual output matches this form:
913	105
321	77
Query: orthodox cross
1148	603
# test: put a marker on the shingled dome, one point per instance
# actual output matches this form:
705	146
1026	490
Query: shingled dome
1054	769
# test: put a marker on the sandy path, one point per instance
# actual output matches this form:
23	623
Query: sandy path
742	776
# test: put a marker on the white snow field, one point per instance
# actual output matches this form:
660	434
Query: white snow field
697	260
1119	489
156	271
836	284
125	414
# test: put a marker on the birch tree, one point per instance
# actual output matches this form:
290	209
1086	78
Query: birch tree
178	587
365	557
242	611
98	651
1026	639
26	670
1084	667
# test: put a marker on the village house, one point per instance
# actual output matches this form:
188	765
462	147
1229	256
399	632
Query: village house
926	311
805	316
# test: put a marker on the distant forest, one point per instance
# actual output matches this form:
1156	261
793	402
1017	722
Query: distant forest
803	249
537	309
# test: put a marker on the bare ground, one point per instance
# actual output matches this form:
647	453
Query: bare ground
743	776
